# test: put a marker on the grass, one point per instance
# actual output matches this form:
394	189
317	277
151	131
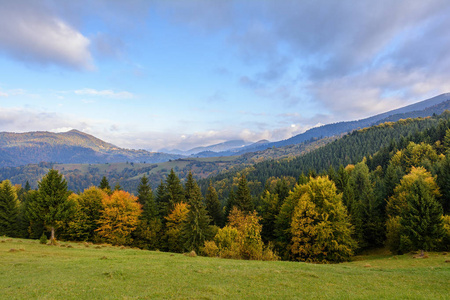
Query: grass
77	271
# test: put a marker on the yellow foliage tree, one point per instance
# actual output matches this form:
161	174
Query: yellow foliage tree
119	218
174	225
320	227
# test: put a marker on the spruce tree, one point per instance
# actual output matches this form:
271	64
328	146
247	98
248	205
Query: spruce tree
104	185
51	206
174	190
213	206
243	197
9	209
145	198
162	200
422	223
196	229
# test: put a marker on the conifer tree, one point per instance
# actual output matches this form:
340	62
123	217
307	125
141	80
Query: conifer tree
366	212
196	229
422	223
162	200
51	206
243	198
174	190
104	185
443	180
213	206
145	198
9	209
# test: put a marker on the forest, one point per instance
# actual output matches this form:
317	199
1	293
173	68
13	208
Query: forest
382	186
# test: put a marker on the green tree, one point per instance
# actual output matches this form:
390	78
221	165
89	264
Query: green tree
243	198
413	212
213	206
422	223
145	198
366	212
104	185
321	229
443	180
52	207
270	208
174	189
196	229
9	209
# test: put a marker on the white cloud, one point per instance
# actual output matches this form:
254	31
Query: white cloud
105	93
2	94
32	33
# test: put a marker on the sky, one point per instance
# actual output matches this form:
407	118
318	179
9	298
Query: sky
161	75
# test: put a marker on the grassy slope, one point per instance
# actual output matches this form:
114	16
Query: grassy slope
93	272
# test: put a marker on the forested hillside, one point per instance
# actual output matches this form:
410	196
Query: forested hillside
384	185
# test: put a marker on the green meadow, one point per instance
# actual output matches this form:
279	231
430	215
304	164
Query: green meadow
29	270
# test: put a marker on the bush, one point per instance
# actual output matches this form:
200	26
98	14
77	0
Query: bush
43	240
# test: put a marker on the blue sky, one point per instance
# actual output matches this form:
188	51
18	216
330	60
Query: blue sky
180	74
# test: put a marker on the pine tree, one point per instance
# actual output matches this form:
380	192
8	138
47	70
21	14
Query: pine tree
51	206
196	230
213	206
443	180
9	209
243	198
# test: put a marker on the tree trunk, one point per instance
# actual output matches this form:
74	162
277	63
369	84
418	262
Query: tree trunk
52	238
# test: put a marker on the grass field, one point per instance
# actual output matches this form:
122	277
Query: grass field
29	270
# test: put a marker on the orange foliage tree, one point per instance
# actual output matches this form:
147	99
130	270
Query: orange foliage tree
119	218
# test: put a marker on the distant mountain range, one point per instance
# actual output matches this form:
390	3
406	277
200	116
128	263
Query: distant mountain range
68	147
435	105
18	149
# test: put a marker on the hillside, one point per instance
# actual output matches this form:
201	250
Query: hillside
435	105
18	149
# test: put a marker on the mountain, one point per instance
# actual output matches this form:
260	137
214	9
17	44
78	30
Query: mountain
67	147
426	108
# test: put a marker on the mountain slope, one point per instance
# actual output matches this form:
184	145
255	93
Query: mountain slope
435	105
68	147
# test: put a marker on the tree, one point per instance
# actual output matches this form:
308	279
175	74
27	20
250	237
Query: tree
9	209
119	218
145	198
104	185
51	206
89	206
175	223
321	229
270	208
196	229
174	190
366	212
213	206
422	223
243	198
412	212
443	180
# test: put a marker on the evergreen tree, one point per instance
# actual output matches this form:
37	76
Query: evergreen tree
27	187
196	229
162	200
443	180
366	212
104	185
174	190
51	206
213	206
422	223
270	208
9	210
243	197
145	198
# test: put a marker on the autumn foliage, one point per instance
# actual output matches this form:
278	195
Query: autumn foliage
119	218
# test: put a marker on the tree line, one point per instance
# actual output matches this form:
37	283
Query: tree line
398	196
